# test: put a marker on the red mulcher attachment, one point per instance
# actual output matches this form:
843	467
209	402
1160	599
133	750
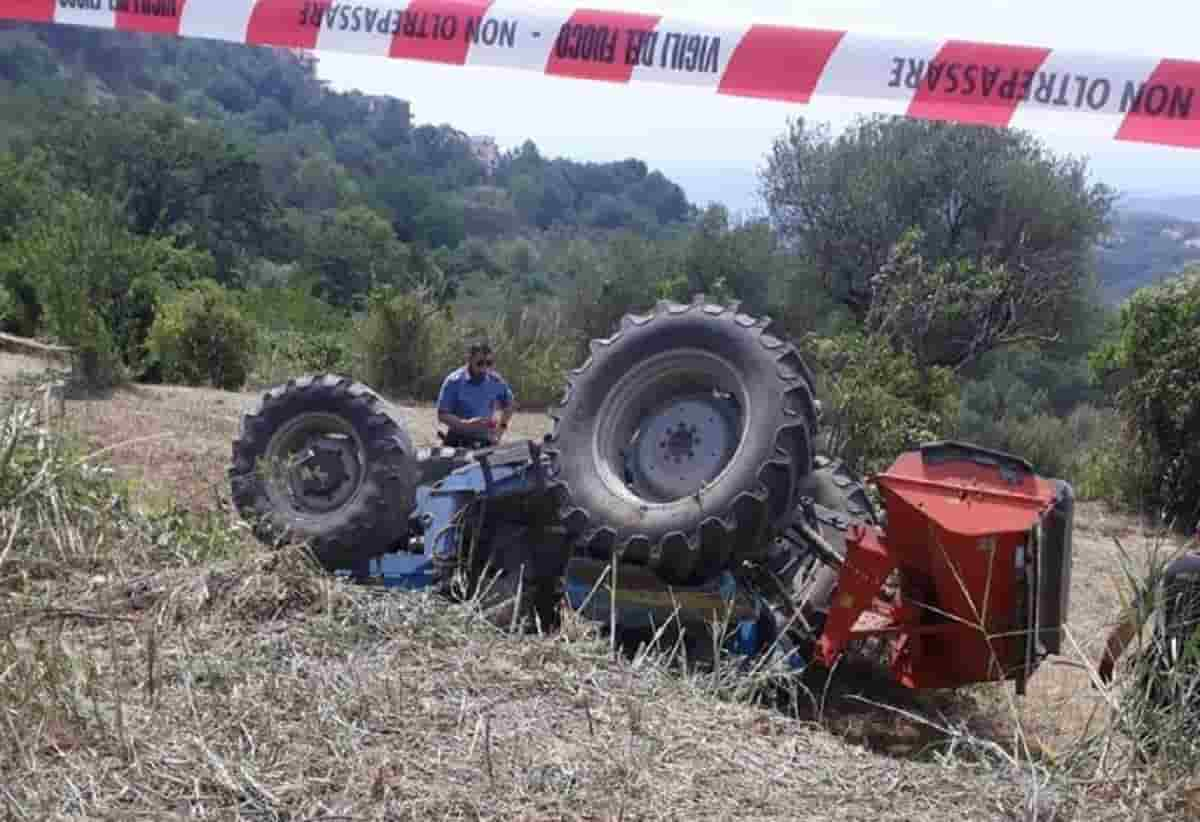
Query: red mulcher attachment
983	550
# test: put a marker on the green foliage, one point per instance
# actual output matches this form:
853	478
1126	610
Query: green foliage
97	282
296	332
201	338
282	354
26	192
353	252
1112	466
975	193
801	304
1070	447
27	187
1153	361
285	306
607	282
623	195
173	177
406	343
727	262
877	402
953	311
245	154
9	309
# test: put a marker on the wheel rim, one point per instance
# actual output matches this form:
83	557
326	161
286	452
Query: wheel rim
316	464
670	426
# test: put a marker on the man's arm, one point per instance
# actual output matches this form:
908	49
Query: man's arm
446	399
474	424
506	405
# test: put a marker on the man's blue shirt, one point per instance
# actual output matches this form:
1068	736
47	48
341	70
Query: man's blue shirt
465	399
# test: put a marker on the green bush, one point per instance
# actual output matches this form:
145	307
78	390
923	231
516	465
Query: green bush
297	333
876	401
290	307
1154	363
96	283
1113	466
200	337
10	309
281	355
406	343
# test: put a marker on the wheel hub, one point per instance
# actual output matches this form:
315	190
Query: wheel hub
321	463
325	474
683	446
322	470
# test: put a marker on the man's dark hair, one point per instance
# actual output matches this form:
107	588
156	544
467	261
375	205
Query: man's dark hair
478	347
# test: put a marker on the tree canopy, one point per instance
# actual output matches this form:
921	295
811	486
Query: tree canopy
984	224
1153	362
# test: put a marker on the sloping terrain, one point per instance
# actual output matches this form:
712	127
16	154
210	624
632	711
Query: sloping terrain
182	671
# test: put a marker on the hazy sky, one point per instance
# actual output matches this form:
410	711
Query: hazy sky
714	145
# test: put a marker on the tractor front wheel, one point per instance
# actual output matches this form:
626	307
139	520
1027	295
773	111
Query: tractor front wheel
325	460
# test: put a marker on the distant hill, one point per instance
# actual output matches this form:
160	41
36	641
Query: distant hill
323	150
1144	247
1175	206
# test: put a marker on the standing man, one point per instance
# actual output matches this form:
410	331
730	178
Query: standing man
469	399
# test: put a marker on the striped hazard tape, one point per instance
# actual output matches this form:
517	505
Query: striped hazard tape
1134	99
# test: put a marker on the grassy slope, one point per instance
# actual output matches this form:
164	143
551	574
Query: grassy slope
150	669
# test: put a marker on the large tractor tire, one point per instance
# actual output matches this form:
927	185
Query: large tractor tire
682	442
326	461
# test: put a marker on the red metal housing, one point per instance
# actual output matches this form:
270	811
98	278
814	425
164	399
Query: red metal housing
967	534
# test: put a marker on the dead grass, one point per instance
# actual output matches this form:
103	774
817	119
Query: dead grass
163	665
260	689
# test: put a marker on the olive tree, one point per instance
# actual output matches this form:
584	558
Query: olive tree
984	225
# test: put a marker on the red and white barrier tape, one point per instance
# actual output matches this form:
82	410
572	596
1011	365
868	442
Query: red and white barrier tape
1133	99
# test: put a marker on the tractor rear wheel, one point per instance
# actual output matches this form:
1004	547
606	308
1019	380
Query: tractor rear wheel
682	442
325	460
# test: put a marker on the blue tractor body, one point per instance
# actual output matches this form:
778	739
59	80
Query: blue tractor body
642	601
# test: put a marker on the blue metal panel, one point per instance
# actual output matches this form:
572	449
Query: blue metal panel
410	572
440	508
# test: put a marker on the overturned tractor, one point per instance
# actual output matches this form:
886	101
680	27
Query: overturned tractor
680	481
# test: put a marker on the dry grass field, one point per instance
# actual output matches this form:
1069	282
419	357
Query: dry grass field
156	663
